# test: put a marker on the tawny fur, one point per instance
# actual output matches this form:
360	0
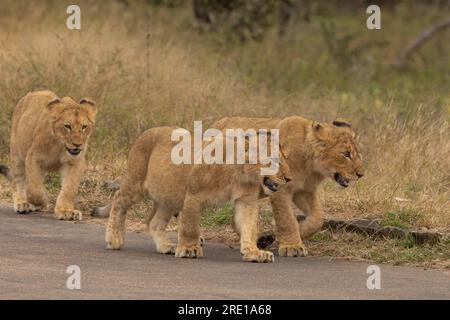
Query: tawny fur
187	189
314	151
40	140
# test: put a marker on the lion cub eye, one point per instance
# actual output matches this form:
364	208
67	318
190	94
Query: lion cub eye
347	154
68	126
84	127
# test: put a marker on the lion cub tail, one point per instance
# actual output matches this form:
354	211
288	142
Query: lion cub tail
137	165
4	170
101	212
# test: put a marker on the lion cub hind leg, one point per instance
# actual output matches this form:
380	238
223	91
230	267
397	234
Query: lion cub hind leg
115	230
310	205
189	242
21	204
246	224
159	218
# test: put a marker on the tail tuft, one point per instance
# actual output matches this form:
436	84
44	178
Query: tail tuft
4	170
101	212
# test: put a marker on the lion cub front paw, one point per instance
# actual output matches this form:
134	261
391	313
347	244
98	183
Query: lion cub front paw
256	255
68	214
292	250
195	251
24	207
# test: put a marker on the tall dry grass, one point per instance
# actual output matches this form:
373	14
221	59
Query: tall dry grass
178	75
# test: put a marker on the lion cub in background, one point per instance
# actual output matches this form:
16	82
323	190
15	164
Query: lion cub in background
49	134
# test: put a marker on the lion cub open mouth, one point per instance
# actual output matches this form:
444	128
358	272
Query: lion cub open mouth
272	186
74	152
341	180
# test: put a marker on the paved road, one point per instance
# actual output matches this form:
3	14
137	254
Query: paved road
36	249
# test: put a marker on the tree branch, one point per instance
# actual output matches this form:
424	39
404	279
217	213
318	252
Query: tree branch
419	41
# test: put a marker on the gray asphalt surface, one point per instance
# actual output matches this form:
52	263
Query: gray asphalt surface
36	249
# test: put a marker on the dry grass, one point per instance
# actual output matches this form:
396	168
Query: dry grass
181	75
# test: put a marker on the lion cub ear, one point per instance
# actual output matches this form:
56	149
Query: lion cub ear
53	102
318	128
55	106
321	131
92	107
342	123
88	101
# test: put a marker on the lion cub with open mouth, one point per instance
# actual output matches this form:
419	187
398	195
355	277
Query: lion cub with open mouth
49	134
189	189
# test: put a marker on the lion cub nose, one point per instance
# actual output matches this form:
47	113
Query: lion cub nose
76	145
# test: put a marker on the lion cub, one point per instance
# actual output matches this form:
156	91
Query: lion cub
49	134
188	189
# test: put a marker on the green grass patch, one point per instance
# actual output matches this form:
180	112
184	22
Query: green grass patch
402	218
322	236
217	216
266	216
52	182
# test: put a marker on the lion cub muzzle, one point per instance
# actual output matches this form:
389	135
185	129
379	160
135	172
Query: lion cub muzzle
74	151
269	184
343	182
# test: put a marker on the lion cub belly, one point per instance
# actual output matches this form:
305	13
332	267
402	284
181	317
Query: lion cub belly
165	182
216	185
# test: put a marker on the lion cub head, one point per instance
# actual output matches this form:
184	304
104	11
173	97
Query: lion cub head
72	123
271	182
337	154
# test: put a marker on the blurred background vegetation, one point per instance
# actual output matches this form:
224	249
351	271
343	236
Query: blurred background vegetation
160	62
